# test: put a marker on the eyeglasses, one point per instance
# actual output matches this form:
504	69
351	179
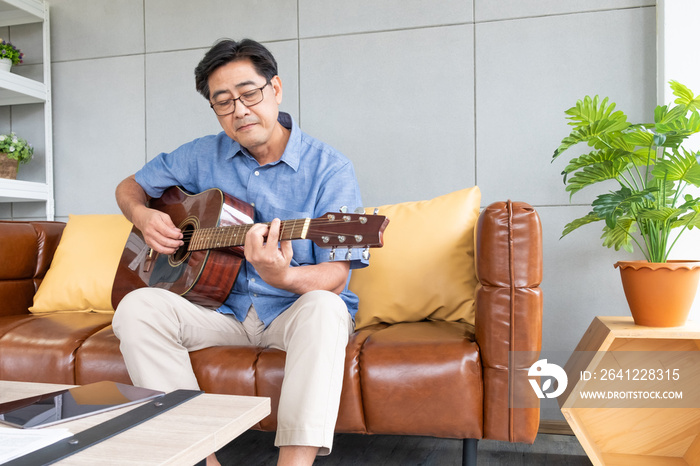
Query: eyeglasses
250	98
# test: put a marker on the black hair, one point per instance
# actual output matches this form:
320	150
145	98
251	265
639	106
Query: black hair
226	51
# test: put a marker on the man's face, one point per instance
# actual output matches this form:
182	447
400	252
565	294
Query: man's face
252	127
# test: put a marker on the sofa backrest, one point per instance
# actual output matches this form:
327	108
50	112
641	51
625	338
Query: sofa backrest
26	250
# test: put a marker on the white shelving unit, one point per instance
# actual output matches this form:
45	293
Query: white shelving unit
18	90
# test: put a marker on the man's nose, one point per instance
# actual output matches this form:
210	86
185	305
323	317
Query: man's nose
240	110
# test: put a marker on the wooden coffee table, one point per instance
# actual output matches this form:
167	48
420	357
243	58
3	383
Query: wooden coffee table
183	435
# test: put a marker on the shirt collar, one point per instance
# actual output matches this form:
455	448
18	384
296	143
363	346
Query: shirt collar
291	152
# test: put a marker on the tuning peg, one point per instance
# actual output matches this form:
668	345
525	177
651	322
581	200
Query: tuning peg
343	209
365	254
376	210
348	255
332	253
360	210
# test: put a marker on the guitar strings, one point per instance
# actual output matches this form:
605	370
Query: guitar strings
227	229
288	228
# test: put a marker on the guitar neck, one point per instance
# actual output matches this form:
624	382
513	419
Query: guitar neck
234	235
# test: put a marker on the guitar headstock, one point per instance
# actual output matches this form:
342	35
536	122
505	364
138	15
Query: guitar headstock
340	229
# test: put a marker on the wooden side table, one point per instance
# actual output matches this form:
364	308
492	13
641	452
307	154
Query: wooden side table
632	366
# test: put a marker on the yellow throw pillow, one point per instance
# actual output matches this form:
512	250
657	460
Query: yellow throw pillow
425	270
83	268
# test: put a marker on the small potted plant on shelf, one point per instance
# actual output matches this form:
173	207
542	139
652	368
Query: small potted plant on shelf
652	170
13	151
9	55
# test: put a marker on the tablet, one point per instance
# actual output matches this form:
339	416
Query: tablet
73	403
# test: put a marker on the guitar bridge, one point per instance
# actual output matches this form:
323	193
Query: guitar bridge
140	258
151	257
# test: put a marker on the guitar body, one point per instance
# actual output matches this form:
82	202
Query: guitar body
204	277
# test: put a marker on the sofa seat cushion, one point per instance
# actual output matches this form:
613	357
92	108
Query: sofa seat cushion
43	348
99	359
423	378
7	323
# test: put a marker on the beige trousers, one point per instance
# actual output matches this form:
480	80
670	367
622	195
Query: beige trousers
157	329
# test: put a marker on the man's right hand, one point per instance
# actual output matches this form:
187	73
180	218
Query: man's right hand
158	230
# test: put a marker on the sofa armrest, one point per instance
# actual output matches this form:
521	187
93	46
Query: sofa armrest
508	322
26	251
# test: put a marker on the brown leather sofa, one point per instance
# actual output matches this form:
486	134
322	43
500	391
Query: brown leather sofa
440	379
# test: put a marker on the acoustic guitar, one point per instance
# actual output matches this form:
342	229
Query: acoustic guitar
214	226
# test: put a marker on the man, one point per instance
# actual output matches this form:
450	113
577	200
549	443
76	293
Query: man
288	296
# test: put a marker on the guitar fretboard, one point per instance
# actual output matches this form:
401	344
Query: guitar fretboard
234	235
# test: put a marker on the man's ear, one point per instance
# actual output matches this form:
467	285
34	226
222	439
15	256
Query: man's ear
276	84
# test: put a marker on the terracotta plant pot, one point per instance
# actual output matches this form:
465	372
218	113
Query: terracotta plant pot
660	294
8	167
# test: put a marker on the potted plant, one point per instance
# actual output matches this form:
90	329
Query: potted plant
13	151
9	55
650	206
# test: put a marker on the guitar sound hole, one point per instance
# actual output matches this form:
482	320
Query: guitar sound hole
182	253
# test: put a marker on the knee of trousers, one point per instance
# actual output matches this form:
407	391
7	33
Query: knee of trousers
324	302
136	309
324	305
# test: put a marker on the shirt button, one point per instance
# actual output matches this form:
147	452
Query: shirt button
255	295
257	173
252	280
252	204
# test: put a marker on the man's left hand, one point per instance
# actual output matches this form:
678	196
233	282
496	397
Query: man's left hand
269	257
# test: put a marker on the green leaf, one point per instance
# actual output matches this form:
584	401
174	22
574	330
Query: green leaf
638	135
692	220
643	156
619	237
594	158
591	119
618	203
676	126
595	173
664	116
588	133
659	139
579	222
684	96
663	214
690	203
588	111
677	167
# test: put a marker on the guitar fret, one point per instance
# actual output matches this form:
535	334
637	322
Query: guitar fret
218	237
289	224
230	236
195	240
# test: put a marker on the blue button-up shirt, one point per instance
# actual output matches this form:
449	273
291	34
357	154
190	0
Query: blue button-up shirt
310	179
